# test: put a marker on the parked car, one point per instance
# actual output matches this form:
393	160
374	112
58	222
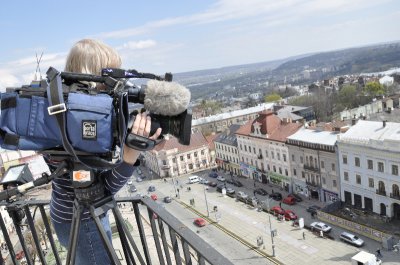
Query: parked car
277	210
203	181
199	222
351	239
237	183
138	179
154	197
230	181
213	174
242	195
261	191
212	184
132	188
290	215
220	187
276	196
297	197
220	178
230	191
252	200
313	209
130	182
289	200
167	199
320	226
151	188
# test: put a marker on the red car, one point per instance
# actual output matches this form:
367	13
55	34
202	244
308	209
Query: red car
154	197
290	215
289	200
199	222
277	210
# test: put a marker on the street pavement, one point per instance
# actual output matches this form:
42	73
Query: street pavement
248	223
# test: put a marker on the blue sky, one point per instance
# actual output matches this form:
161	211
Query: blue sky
180	36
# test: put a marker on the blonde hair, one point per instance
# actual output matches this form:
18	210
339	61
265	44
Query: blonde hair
89	56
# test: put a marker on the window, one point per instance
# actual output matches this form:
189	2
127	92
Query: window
188	156
357	161
358	179
301	159
333	167
370	182
286	172
181	158
195	154
381	167
241	147
303	175
174	160
274	168
202	152
280	170
245	148
278	156
293	158
284	158
294	172
346	176
395	170
266	153
344	158
323	181
370	164
322	164
164	162
272	155
334	183
254	150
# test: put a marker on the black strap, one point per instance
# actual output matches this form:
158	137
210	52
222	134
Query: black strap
10	102
10	139
55	97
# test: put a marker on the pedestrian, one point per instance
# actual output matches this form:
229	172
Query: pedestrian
304	235
321	233
280	204
254	183
378	253
272	190
165	180
254	192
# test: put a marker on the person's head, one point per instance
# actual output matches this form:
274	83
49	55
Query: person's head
89	56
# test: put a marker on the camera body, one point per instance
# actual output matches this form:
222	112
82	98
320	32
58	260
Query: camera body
93	121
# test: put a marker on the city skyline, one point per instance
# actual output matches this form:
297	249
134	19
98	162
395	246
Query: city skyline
185	36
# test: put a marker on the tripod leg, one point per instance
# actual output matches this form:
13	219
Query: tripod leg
109	248
73	238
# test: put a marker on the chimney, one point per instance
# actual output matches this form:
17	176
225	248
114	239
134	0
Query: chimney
384	124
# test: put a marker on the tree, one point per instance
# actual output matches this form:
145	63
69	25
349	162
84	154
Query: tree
272	97
374	89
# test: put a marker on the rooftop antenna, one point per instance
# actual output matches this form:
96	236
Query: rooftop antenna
38	75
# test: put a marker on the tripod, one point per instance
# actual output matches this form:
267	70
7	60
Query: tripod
97	209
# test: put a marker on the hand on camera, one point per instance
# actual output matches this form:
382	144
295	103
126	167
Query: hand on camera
141	126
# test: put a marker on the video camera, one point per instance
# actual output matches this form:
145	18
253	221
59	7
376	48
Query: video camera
64	114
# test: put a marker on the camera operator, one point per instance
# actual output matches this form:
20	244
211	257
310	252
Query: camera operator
90	56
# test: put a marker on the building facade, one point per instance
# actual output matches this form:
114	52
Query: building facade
170	158
263	152
369	161
227	155
314	164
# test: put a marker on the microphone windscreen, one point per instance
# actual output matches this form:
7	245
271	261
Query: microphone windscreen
166	98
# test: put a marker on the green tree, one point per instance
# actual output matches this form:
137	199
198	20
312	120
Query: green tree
272	97
374	89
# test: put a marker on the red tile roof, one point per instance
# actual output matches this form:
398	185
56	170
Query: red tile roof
210	139
271	125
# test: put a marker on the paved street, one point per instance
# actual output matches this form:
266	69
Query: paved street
248	223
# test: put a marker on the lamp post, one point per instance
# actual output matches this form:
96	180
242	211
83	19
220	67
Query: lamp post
205	198
270	228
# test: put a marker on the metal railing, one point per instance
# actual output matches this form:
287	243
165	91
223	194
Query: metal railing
171	241
311	168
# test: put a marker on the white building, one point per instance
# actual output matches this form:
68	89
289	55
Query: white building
226	149
314	164
369	161
262	150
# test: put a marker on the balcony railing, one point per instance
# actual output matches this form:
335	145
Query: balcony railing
395	196
381	192
260	156
310	168
312	183
171	241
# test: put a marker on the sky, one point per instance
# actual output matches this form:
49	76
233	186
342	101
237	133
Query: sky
179	36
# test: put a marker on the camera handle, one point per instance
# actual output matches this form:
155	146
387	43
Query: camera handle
141	143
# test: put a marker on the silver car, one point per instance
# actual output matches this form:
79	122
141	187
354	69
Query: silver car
320	226
352	239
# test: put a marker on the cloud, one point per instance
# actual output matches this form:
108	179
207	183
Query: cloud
7	80
138	45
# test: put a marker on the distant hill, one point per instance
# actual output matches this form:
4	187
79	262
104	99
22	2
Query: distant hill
244	79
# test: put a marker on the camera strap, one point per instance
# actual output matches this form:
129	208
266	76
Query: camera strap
57	108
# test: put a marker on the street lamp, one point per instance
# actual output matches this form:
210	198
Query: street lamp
270	228
205	198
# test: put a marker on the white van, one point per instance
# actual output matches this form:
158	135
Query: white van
193	179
